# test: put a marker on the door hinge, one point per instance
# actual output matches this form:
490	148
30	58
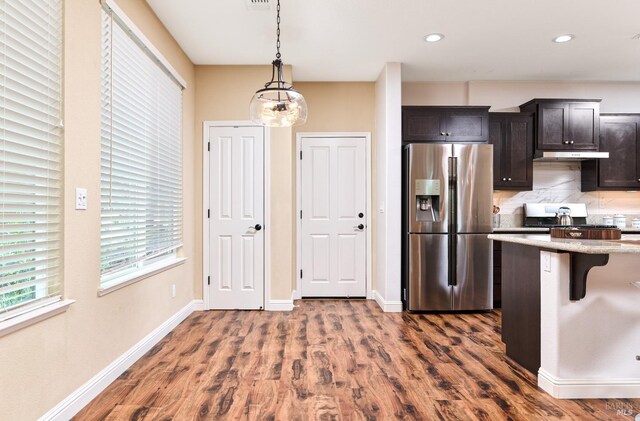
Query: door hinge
404	294
300	214
208	213
300	273
208	146
300	154
208	280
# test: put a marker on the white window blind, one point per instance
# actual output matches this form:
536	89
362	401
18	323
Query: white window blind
141	163
30	153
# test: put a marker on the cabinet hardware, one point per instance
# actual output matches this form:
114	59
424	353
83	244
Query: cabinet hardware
448	134
441	133
571	142
509	179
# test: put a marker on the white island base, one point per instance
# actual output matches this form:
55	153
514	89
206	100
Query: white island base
590	348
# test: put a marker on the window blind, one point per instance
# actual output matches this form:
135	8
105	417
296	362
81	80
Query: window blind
30	154
141	160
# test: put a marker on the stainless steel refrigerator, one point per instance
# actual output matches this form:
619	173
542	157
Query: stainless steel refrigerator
448	215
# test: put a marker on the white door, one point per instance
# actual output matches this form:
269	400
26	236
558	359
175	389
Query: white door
333	221
236	220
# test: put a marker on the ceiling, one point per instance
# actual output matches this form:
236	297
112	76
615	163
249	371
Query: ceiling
350	40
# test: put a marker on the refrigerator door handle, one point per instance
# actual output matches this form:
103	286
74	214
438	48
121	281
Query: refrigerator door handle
453	203
453	261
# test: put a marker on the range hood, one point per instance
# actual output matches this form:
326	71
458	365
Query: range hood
570	155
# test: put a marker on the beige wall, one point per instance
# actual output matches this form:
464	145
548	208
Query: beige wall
44	363
435	93
505	96
223	94
340	107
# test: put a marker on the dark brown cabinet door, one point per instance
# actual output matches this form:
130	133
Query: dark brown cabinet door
583	129
620	136
445	124
565	124
423	124
512	137
467	125
553	119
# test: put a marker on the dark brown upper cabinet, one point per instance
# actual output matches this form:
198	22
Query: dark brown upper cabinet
511	135
445	124
620	136
565	124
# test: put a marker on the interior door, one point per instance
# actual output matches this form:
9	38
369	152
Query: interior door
333	220
236	218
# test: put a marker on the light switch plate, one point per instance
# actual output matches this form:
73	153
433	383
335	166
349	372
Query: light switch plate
81	198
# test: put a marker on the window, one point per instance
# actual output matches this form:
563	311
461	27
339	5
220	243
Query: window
30	154
141	163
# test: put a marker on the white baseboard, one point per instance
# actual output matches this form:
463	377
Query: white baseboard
282	305
371	294
77	400
387	306
198	305
588	388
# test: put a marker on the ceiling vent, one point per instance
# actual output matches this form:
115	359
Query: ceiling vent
258	4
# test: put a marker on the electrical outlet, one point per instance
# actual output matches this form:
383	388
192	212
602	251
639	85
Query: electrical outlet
173	290
546	262
81	198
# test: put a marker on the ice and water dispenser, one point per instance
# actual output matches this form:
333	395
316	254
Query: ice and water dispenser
427	200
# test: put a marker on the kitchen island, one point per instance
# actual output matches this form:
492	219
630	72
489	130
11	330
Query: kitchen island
571	313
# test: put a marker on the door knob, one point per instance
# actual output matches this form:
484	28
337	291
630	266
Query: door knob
256	227
359	226
361	215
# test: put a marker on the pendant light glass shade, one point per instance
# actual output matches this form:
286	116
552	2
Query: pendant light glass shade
278	104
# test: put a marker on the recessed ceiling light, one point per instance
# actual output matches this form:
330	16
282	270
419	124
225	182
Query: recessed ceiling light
563	38
433	37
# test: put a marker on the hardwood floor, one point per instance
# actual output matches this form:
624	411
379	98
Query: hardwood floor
336	360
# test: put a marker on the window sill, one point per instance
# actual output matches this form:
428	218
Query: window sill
34	316
146	272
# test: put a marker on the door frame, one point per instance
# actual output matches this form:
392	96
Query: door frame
206	263
366	136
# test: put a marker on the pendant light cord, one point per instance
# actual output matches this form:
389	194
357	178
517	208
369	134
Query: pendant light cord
278	31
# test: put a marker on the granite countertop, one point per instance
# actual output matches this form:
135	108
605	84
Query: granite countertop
546	230
521	229
629	243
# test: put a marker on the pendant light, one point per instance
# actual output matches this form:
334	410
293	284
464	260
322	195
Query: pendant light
278	104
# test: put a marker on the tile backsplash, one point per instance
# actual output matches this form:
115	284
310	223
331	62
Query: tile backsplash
559	181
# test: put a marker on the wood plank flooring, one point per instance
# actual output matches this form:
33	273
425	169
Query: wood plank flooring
336	360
